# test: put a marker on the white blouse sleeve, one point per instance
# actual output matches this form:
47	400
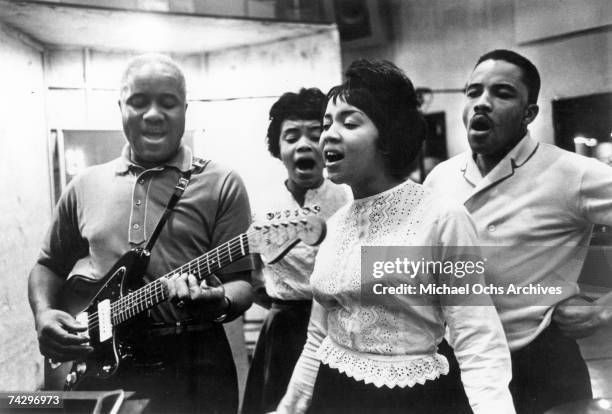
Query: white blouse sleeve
477	338
475	332
299	391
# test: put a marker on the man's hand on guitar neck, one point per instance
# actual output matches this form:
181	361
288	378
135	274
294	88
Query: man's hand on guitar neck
208	295
60	336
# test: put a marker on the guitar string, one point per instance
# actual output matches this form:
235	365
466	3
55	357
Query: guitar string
139	298
127	304
134	302
222	254
130	303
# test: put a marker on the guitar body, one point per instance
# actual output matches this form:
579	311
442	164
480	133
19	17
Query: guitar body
86	300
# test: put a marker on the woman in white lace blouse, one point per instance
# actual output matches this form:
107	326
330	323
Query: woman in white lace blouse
381	355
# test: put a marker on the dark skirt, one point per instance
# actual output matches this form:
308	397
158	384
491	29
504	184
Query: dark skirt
334	392
278	348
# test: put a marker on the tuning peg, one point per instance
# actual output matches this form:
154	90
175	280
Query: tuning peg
316	208
270	216
71	378
287	213
306	210
81	368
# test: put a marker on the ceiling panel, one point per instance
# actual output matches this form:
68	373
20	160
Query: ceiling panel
57	25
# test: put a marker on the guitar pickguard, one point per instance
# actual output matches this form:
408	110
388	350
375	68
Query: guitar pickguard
104	337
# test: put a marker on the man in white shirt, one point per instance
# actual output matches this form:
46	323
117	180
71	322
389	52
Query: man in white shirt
541	203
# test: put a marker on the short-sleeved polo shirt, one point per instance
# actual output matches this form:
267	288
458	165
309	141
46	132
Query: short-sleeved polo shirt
113	207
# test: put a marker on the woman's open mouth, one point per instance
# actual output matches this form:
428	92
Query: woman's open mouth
332	157
305	164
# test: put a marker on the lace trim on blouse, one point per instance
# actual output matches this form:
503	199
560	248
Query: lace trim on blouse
388	370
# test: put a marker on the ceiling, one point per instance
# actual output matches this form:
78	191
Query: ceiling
57	25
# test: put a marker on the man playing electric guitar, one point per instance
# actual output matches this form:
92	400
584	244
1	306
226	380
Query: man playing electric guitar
179	356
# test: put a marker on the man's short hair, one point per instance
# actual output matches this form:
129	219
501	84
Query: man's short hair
386	95
307	104
153	59
531	76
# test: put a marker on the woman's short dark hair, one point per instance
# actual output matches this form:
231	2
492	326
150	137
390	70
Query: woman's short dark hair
385	94
307	104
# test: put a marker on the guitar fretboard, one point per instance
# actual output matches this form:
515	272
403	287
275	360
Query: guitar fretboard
154	293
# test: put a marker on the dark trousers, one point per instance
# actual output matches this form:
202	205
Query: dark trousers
334	393
189	372
548	372
278	348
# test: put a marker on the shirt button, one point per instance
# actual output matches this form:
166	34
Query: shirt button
141	181
491	228
136	226
138	202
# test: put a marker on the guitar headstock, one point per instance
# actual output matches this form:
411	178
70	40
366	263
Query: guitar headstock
283	230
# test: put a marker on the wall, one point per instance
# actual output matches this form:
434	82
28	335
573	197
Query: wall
437	43
24	206
535	20
230	93
235	130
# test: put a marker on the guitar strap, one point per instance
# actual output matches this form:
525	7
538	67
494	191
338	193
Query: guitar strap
198	165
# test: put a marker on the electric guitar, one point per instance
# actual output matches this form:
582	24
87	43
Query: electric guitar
119	297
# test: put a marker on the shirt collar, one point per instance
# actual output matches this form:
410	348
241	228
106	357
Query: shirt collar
504	169
182	160
521	151
513	159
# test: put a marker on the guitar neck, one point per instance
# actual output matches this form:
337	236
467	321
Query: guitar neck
154	293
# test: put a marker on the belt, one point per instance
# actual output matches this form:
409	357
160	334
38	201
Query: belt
177	328
291	303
